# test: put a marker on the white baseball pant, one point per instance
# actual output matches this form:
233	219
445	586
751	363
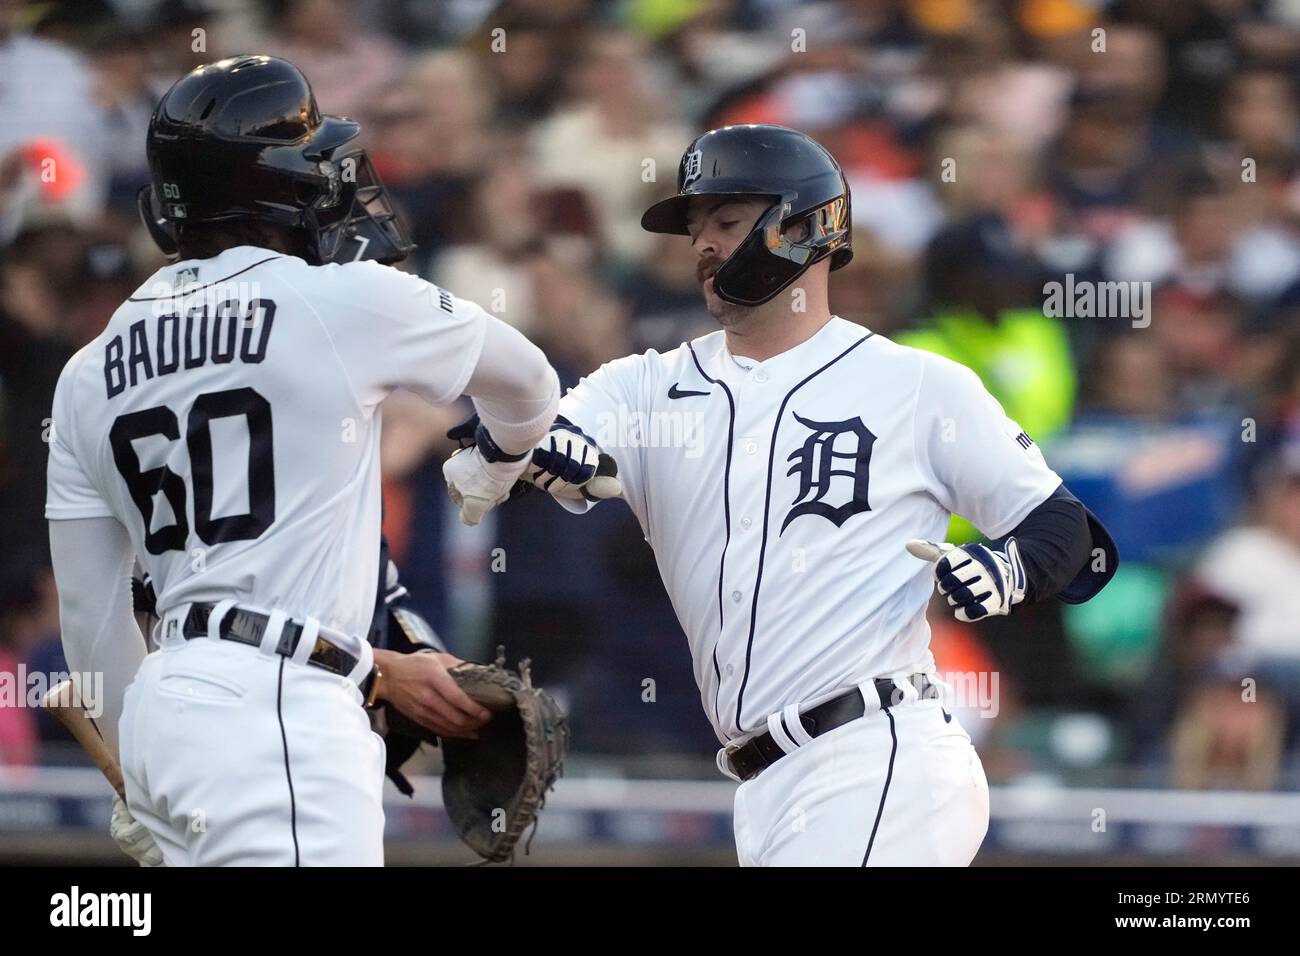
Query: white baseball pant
897	787
235	756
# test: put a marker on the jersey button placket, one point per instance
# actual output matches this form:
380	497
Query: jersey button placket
748	493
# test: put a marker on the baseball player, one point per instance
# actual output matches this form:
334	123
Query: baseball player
794	474
225	428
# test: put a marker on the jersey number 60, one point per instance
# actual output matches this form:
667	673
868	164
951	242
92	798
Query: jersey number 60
143	485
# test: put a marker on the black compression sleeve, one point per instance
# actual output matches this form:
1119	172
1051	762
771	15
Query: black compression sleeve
1055	544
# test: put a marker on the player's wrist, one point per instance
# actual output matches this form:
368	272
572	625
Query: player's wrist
1017	578
389	664
505	473
495	453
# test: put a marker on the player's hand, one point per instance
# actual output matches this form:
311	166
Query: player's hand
132	836
976	580
567	463
477	485
419	686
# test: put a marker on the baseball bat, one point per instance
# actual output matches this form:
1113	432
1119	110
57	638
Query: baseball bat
64	703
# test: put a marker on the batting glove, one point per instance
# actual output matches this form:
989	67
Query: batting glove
567	463
976	580
480	477
132	836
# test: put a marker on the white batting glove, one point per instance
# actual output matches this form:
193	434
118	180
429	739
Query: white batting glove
568	464
976	580
132	836
477	485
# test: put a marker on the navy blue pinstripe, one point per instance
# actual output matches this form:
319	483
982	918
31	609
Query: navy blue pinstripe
288	775
726	517
889	776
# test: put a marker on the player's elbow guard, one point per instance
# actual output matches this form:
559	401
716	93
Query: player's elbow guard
1067	552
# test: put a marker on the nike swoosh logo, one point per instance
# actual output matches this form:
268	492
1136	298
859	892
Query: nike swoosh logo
675	392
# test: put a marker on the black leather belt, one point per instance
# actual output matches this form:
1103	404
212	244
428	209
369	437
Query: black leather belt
759	753
248	627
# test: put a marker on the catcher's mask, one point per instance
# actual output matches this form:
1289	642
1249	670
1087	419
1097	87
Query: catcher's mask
796	175
242	139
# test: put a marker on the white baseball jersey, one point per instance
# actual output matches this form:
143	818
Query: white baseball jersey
778	497
228	417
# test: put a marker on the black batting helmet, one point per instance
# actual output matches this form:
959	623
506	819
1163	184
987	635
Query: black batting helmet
804	183
242	139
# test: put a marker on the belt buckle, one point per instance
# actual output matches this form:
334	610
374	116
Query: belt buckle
729	752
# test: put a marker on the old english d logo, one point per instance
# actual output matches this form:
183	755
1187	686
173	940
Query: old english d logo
692	164
846	443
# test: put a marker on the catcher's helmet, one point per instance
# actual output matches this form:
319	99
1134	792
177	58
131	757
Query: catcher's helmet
804	183
242	139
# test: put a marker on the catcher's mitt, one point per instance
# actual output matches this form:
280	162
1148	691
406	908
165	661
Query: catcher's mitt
494	787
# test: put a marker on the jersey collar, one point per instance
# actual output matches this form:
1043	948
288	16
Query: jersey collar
830	338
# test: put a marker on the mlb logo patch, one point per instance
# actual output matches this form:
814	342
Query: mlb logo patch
187	276
691	166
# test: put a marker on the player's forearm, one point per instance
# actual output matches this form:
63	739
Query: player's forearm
92	559
515	390
1055	544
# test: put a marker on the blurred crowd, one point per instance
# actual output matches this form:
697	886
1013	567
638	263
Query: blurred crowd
992	146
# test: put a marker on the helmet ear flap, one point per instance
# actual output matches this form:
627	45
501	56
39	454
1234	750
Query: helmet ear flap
758	270
828	231
779	250
160	229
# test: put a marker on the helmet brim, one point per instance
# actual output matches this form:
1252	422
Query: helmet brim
669	215
333	132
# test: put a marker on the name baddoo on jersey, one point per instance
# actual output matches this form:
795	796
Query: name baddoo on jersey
169	342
